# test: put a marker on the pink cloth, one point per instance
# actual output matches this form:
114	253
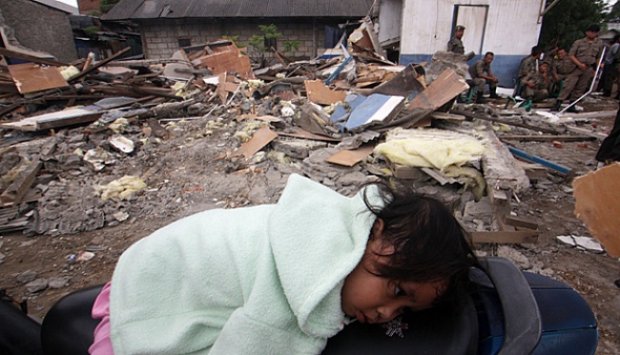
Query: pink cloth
102	345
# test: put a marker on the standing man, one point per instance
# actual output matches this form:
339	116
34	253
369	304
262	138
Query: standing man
481	74
611	63
584	53
455	45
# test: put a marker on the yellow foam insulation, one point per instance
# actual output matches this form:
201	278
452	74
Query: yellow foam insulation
419	148
122	188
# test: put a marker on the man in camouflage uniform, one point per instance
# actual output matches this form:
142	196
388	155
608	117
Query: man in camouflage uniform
530	63
562	65
538	84
584	53
612	59
482	74
455	45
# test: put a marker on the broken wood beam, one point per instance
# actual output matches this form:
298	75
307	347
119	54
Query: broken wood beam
586	132
18	189
520	222
134	91
547	138
497	120
100	64
505	237
12	54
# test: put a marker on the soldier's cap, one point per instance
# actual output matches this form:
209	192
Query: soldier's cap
593	28
460	28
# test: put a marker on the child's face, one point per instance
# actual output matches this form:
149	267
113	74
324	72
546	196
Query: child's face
374	299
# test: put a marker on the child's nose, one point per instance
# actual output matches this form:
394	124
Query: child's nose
389	312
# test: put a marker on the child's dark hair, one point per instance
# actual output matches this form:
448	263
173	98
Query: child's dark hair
429	243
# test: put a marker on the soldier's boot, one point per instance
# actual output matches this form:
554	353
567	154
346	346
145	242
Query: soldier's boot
557	105
480	99
493	93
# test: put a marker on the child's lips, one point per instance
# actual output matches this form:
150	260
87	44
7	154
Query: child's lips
361	317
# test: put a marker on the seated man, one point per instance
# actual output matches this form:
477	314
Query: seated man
530	63
482	74
538	85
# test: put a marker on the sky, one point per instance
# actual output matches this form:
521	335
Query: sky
70	2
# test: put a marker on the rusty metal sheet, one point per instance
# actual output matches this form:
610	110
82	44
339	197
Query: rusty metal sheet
30	77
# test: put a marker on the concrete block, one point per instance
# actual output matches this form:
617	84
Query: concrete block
297	148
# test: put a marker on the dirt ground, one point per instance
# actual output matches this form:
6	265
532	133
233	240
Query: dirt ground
186	175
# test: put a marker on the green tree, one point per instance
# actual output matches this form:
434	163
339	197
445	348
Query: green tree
107	5
568	19
614	13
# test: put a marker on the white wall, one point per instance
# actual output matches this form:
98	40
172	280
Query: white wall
390	20
511	27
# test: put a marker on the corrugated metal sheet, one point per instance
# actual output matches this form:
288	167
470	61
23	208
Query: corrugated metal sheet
151	9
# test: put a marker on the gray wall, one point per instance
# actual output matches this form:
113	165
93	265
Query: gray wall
40	27
160	38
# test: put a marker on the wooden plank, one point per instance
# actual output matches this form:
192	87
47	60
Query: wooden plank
447	116
30	77
405	83
446	87
100	64
261	138
520	222
350	157
504	237
586	132
592	114
228	60
509	123
597	202
54	120
297	132
321	94
546	138
13	54
15	225
18	189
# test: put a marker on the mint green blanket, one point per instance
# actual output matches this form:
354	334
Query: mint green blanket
255	280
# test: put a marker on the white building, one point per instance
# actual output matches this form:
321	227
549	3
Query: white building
508	28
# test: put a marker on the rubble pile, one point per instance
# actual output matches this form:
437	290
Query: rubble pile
96	144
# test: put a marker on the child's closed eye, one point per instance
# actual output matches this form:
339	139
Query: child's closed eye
399	291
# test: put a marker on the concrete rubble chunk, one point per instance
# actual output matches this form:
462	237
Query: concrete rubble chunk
37	285
26	276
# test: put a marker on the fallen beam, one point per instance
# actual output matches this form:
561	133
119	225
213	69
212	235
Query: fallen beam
547	138
18	189
12	54
505	237
544	162
509	123
100	64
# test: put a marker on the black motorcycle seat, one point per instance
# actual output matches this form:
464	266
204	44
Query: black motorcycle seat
68	326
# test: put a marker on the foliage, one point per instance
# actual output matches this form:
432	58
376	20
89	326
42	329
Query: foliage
269	34
614	13
91	31
107	5
291	46
234	39
567	21
262	43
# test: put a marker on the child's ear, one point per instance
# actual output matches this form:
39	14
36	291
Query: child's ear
378	244
377	229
